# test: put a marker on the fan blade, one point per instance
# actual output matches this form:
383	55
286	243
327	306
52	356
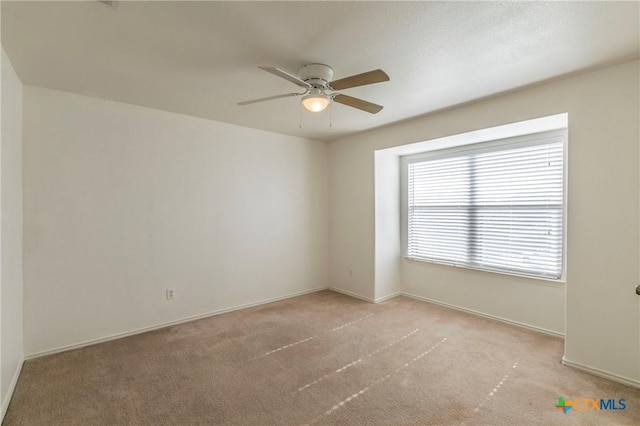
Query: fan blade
269	98
375	76
358	103
286	76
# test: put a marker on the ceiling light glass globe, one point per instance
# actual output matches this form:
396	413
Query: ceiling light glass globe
316	101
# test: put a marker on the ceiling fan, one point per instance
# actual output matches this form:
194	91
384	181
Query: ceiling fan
320	89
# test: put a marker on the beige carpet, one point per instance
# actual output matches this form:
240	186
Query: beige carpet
323	358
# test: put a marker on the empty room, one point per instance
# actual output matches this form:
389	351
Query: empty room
318	212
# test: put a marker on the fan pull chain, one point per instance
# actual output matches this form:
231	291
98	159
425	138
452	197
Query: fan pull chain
300	120
330	113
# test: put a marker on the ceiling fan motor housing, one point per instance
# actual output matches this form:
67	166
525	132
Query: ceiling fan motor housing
317	75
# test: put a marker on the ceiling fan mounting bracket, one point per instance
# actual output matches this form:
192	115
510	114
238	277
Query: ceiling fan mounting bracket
317	75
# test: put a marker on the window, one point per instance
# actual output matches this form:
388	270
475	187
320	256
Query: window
495	206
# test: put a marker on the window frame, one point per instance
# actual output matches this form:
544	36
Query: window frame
529	139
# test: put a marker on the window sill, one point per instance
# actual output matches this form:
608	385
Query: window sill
528	278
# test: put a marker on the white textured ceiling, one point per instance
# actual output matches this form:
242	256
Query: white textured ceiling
201	58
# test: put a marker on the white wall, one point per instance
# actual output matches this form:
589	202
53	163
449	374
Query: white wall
122	202
602	318
388	250
11	347
352	233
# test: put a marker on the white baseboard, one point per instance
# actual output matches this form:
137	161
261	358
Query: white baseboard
167	324
366	299
12	387
387	297
348	293
482	314
601	373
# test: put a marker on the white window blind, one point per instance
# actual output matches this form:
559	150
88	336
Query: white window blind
497	207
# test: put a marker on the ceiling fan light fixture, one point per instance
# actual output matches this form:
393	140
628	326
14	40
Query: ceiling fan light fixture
315	101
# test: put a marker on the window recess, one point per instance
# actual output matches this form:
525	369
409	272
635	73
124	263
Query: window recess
496	206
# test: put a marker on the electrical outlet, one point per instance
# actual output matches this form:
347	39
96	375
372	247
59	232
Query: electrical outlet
171	293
